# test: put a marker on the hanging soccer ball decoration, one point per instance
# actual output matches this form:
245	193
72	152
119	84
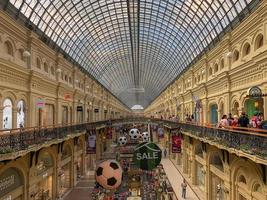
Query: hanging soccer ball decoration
122	140
109	174
145	136
134	134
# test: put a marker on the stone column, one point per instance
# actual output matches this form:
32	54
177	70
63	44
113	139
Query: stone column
14	116
1	118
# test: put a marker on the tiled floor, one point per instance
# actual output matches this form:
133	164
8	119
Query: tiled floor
176	179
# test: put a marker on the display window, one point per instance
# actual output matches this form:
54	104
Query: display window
64	115
11	185
254	105
48	115
44	173
7	114
200	177
21	114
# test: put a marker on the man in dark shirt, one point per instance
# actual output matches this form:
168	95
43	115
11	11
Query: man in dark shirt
243	120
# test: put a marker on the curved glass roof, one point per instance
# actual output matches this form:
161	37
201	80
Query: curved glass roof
134	48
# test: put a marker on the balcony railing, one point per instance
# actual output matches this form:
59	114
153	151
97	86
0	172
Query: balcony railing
252	141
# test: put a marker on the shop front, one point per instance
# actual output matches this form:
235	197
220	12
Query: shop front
11	185
200	179
65	171
79	114
65	114
42	184
214	114
198	111
79	159
254	101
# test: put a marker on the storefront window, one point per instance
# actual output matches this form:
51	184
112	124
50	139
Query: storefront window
65	173
44	168
48	115
21	114
214	114
200	177
64	115
79	114
11	184
7	114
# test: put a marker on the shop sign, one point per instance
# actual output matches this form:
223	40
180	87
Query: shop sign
109	133
105	111
9	181
40	103
255	92
161	132
96	110
147	156
176	144
79	108
67	97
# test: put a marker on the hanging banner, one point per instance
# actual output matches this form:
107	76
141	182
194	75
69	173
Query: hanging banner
109	133
91	142
40	103
176	144
161	132
147	156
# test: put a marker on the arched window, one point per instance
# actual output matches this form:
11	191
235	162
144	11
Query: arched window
210	71
38	63
7	114
257	188
222	63
45	67
21	114
216	161
246	49
242	179
8	48
20	54
216	68
235	55
52	71
259	41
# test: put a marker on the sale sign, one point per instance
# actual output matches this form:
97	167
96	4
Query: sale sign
176	144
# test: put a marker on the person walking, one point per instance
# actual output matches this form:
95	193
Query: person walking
184	185
165	153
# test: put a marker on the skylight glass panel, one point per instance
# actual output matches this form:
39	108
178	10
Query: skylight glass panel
107	36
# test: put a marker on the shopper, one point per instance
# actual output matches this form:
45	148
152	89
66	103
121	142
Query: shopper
235	121
243	120
223	122
230	119
184	185
165	153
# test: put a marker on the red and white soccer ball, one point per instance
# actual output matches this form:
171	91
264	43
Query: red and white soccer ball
109	174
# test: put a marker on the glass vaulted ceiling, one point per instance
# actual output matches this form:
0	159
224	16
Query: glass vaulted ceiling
135	48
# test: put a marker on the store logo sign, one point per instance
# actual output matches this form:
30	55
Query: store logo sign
40	103
147	156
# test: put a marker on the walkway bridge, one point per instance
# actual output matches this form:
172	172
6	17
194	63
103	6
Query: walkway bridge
250	143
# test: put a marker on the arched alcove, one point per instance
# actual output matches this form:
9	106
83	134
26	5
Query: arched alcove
258	41
8	48
7	114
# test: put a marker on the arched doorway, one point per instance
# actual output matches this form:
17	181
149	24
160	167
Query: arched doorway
21	114
216	177
214	114
12	184
65	173
7	114
253	105
43	188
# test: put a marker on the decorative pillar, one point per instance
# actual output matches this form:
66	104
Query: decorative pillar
1	118
14	116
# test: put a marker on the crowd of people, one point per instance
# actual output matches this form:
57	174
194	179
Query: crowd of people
256	121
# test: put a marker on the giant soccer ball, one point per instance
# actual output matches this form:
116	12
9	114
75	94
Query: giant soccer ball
109	174
134	133
145	136
122	140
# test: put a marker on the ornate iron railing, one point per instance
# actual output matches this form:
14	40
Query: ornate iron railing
250	140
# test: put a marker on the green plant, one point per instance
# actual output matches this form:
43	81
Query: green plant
6	150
